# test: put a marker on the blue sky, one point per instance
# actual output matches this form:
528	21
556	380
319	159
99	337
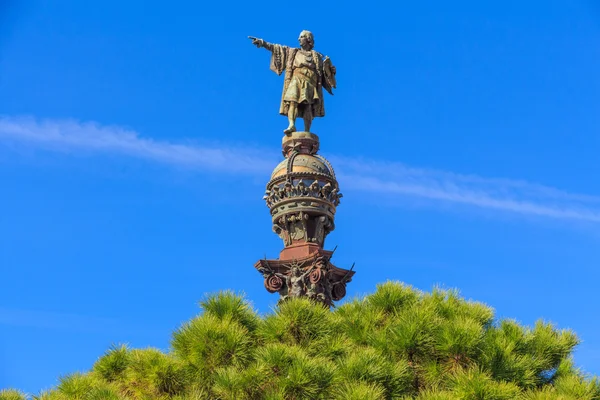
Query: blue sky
136	139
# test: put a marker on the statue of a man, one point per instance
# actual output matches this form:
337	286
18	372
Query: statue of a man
307	72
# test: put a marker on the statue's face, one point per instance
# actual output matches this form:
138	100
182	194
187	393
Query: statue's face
305	39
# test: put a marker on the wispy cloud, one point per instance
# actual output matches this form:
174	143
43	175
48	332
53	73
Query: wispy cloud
70	322
396	179
56	321
69	135
391	179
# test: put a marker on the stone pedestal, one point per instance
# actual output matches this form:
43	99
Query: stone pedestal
303	195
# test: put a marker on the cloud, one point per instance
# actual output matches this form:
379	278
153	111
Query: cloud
396	179
390	179
69	322
55	321
69	135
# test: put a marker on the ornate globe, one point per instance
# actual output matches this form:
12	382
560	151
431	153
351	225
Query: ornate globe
303	193
304	164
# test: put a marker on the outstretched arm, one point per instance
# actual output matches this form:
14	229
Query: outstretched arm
282	276
278	54
261	43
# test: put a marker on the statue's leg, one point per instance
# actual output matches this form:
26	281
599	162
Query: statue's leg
308	116
292	114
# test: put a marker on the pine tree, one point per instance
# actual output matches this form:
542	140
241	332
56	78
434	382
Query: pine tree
397	343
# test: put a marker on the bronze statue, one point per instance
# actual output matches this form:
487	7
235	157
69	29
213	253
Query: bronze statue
307	72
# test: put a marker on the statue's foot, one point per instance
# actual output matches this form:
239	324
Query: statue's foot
289	129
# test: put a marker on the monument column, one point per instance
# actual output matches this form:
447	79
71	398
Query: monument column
303	193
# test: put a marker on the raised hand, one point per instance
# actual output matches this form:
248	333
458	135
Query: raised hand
257	42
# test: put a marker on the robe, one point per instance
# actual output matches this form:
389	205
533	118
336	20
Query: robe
299	85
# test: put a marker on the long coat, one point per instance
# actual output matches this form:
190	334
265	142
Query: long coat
282	59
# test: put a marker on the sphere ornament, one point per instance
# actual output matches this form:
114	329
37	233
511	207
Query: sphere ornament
303	192
304	164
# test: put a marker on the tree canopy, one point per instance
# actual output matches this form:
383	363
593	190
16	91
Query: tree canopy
397	343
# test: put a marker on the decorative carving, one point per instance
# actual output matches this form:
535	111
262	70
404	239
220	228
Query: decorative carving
296	281
300	226
323	226
273	283
339	291
298	188
282	233
301	143
314	277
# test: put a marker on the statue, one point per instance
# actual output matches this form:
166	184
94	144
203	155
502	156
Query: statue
307	72
295	281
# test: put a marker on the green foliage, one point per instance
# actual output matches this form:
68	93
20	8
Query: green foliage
358	390
297	322
11	394
153	374
113	364
373	368
477	385
392	298
76	386
207	343
229	305
397	343
356	324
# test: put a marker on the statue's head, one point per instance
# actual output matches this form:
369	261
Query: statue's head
306	40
